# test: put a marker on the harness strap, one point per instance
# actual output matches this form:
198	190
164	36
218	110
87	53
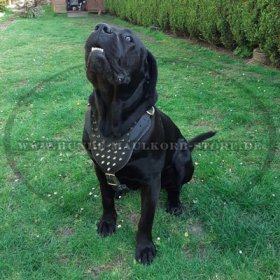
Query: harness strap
112	155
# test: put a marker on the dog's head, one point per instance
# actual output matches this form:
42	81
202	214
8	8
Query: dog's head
124	75
117	57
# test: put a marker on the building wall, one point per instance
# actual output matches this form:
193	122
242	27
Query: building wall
59	6
95	5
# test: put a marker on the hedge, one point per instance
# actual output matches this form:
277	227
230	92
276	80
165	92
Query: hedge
2	4
240	25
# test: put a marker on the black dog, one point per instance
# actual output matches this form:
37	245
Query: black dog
131	142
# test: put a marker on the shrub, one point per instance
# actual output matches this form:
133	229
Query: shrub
164	11
30	8
269	30
239	25
223	26
3	4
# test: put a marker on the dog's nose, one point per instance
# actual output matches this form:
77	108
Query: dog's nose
103	27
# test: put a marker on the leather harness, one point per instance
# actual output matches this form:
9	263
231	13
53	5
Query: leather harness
111	155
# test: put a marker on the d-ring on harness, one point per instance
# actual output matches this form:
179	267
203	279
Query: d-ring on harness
112	155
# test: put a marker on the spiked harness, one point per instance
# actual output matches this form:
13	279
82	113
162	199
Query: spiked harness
111	155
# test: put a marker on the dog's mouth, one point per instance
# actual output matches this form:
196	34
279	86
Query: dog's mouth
96	49
98	62
109	68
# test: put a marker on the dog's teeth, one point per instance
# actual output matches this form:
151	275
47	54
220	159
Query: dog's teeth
96	49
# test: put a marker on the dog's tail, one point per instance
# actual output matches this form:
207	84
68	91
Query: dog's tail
199	138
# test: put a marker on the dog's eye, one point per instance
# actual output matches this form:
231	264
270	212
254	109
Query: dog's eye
128	38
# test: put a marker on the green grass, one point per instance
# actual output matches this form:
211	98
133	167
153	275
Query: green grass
230	228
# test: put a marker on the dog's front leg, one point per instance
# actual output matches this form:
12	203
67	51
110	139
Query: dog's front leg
107	223
145	248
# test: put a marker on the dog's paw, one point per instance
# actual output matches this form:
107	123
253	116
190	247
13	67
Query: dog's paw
174	210
145	253
105	228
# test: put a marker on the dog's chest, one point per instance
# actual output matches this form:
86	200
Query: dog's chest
110	155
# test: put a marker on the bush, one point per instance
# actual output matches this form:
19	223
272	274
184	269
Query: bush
30	8
240	25
183	23
3	4
269	30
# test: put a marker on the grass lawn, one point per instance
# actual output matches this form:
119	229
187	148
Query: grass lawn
49	197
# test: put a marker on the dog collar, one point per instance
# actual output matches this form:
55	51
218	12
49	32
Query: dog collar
113	155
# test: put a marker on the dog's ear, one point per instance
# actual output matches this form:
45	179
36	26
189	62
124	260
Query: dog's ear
151	77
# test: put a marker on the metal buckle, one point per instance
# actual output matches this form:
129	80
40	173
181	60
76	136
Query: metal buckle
112	180
151	112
